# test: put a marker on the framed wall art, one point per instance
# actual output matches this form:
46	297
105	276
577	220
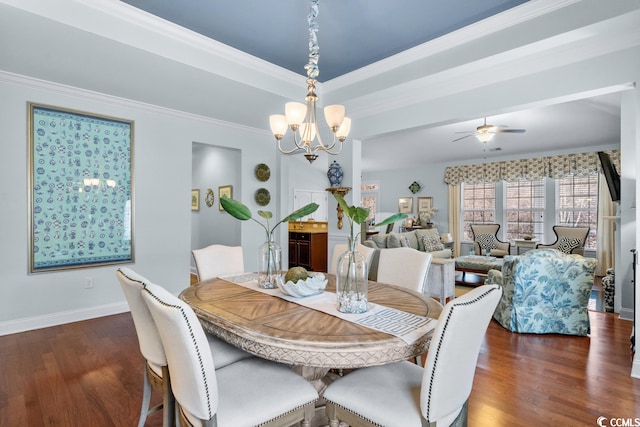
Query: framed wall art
195	200
80	189
425	204
224	191
405	205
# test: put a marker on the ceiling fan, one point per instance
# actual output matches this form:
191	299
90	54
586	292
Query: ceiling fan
485	132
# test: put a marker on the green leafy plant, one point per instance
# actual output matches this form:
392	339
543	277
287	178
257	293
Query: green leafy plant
240	211
358	215
352	296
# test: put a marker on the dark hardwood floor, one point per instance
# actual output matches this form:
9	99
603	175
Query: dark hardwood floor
90	374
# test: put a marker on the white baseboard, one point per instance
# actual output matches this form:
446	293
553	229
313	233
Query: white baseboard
54	319
635	367
627	314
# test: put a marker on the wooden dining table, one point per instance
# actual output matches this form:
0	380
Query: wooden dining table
317	345
283	331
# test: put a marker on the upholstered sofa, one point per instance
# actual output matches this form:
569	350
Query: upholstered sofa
545	291
425	240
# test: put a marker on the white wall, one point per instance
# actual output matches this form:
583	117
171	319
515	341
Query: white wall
162	212
395	184
213	167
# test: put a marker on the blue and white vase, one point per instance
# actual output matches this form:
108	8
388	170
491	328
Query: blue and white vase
335	174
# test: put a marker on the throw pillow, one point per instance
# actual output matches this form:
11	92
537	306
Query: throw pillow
426	232
567	244
393	241
486	241
404	242
380	240
432	243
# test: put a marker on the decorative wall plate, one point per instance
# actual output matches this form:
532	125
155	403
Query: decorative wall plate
263	173
415	187
209	197
263	197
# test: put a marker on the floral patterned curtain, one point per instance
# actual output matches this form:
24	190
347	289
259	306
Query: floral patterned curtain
579	164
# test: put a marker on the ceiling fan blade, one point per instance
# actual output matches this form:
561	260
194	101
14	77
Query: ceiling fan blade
462	137
509	130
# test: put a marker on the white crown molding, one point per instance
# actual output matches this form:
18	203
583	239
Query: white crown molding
131	26
547	54
496	23
61	318
143	19
61	89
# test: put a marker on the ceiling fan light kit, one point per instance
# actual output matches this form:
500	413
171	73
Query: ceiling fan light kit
485	133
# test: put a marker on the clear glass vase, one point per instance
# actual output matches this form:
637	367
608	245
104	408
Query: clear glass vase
351	281
269	264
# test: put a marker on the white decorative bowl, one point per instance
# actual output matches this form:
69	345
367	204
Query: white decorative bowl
303	288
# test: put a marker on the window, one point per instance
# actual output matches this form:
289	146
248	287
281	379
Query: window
524	213
370	192
479	206
527	204
577	204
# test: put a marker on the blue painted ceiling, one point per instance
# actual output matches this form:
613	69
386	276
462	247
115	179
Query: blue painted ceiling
351	35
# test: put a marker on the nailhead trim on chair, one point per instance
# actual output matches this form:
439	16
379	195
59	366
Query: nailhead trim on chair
195	344
357	414
435	363
284	414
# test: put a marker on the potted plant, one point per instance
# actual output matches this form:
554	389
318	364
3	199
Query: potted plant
269	253
352	269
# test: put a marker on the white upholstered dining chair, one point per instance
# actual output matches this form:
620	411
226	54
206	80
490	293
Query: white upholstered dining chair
404	267
249	392
406	395
156	374
218	260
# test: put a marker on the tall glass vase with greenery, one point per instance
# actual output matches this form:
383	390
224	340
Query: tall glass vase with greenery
269	253
352	270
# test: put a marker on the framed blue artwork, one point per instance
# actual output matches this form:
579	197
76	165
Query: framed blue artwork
80	189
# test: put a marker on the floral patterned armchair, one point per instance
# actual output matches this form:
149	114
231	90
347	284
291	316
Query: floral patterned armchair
545	291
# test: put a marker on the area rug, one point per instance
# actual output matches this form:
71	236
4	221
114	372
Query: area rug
461	290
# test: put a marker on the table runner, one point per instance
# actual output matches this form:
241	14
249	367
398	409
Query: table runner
407	326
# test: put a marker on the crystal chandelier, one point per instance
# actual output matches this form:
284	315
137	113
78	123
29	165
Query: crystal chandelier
302	118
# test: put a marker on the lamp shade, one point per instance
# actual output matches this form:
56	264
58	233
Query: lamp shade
344	129
334	115
307	132
295	112
278	124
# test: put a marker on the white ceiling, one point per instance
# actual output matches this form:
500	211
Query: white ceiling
357	33
570	125
109	47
